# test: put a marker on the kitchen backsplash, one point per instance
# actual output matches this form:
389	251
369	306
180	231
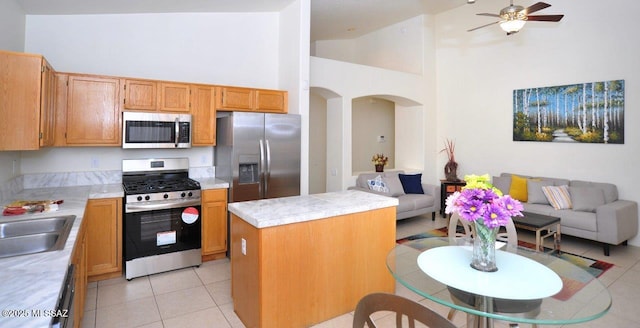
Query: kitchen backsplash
70	179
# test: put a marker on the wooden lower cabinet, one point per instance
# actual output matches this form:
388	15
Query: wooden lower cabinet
79	259
104	238
214	224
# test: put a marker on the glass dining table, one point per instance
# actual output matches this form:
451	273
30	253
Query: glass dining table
529	287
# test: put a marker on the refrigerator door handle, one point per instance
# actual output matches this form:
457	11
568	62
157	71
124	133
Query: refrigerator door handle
262	184
268	169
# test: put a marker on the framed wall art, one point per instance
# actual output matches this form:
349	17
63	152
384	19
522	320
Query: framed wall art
586	112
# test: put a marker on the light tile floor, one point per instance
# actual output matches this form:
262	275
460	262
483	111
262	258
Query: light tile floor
200	297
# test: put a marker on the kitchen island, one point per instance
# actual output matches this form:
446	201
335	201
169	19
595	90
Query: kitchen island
297	261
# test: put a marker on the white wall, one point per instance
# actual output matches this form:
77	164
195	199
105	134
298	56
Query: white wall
372	117
294	72
12	25
318	143
218	48
397	47
478	71
351	81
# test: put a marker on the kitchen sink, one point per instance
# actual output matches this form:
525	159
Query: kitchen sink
34	235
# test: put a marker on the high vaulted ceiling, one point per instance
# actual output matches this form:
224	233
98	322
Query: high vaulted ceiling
330	19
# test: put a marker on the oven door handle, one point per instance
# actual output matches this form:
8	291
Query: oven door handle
160	206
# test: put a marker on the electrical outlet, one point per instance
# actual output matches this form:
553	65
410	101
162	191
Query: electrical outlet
244	246
95	163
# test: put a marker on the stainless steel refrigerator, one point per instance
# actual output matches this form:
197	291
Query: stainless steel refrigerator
259	154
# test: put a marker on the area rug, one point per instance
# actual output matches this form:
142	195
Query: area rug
595	268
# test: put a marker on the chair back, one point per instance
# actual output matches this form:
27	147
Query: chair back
402	307
454	219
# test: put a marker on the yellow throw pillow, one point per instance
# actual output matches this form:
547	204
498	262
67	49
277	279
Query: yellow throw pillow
518	189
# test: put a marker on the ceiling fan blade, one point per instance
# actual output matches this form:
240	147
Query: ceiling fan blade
490	15
536	7
545	18
479	27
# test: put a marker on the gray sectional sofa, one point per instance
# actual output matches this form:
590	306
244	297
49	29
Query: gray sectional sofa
596	213
409	204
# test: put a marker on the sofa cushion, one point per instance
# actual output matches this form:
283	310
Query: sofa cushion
610	190
502	183
411	183
410	202
586	199
534	191
518	189
378	185
558	196
362	179
393	183
578	220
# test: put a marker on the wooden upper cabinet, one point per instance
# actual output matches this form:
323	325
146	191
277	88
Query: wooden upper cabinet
148	95
253	100
174	97
271	101
232	98
25	101
140	95
203	111
93	111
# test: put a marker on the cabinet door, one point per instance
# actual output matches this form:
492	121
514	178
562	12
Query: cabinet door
93	112
47	105
79	259
271	101
104	236
60	104
203	111
174	97
214	221
140	95
20	76
236	99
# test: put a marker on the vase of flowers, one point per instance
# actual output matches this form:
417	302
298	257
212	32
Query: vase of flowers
484	205
379	161
451	168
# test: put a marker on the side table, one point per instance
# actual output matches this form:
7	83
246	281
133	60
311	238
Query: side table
447	188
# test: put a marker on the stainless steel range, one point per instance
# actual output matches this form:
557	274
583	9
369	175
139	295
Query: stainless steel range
162	216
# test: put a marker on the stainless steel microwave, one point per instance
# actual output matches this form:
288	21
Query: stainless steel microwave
156	130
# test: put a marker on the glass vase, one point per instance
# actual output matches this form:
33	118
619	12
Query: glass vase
484	248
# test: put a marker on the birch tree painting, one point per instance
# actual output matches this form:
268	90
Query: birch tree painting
586	112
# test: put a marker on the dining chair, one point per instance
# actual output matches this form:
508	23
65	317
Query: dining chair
414	312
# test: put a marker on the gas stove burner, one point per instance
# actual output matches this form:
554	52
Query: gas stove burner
144	186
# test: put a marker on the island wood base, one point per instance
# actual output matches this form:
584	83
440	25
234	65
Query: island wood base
300	274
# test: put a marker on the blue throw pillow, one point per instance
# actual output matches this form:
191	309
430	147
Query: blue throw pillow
411	183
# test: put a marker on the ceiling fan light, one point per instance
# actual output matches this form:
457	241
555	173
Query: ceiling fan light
512	26
471	1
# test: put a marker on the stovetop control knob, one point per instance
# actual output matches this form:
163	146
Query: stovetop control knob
139	198
190	194
165	196
182	194
147	197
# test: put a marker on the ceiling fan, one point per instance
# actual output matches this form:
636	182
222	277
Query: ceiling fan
514	17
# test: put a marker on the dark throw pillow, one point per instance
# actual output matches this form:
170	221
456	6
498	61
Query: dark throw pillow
411	183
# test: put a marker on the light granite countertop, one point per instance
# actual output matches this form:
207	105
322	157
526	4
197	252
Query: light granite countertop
33	282
286	210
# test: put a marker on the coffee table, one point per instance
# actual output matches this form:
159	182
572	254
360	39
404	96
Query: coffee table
543	225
